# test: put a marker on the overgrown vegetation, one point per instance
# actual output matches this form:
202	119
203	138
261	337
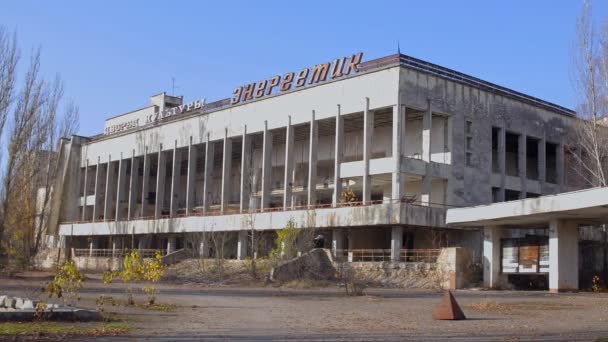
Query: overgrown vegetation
67	283
137	270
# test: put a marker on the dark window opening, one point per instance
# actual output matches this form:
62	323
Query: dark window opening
511	195
495	163
532	158
512	154
496	195
551	163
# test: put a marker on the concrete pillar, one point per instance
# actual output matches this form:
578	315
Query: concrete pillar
368	133
113	248
559	164
175	181
242	242
337	240
84	193
141	243
491	256
427	125
133	181
425	195
96	204
245	171
160	182
312	162
563	256
91	247
226	172
288	178
121	188
145	182
266	167
397	188
542	162
522	163
191	178
338	154
396	243
209	149
109	196
171	244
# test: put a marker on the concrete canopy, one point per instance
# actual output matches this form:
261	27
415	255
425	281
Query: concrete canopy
584	206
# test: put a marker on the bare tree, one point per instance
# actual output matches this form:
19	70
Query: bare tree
590	76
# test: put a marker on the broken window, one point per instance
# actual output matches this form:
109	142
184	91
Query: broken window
512	154
531	158
551	163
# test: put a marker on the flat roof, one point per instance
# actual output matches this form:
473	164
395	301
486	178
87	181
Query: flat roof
585	206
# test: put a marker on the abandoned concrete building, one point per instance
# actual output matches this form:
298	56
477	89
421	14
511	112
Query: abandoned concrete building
371	154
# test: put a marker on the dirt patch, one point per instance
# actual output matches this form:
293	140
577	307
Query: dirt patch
518	307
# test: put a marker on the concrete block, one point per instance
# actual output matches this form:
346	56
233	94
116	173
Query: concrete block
2	300
28	305
9	302
18	303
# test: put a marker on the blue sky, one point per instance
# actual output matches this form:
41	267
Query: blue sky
113	55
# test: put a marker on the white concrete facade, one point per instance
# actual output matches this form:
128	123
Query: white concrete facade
395	135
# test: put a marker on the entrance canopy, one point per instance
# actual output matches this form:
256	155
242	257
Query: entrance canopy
583	206
562	214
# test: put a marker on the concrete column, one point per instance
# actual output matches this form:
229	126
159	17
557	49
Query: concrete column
542	162
491	256
502	160
226	170
266	167
141	243
191	178
560	168
171	244
245	171
425	195
396	243
209	148
96	204
563	256
522	163
337	240
338	154
368	133
397	188
175	181
145	182
121	188
84	193
242	242
109	181
133	181
312	161
160	182
288	178
427	125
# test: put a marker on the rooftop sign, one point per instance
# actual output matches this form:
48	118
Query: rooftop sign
340	67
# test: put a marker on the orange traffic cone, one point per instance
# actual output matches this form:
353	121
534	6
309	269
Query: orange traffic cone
448	309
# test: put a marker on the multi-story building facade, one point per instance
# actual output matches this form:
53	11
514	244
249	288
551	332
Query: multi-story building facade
370	153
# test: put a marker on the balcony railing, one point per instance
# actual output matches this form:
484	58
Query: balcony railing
380	255
198	211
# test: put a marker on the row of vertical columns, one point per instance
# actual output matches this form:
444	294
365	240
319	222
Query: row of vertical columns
266	167
312	161
84	193
368	132
339	152
245	171
226	167
288	178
